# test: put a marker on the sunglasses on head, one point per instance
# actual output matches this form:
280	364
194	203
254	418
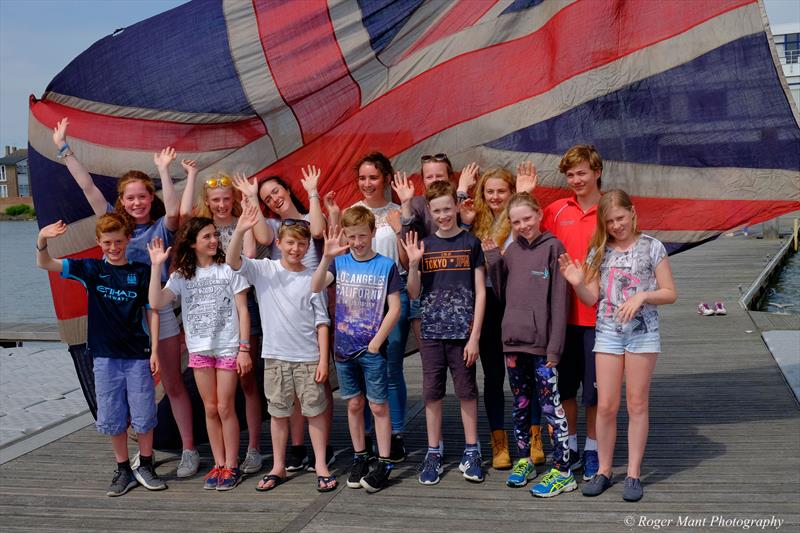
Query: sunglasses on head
435	157
224	181
296	222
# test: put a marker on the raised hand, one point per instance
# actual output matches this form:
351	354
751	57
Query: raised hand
466	210
393	219
333	243
248	218
403	187
469	175
333	209
158	255
488	245
164	158
249	189
60	133
190	166
53	230
527	178
311	176
414	248
571	269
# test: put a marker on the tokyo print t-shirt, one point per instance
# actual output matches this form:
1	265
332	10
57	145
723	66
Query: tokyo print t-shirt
361	290
448	285
624	274
209	311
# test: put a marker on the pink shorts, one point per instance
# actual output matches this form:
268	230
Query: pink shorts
226	362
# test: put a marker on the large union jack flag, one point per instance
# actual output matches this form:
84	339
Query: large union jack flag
682	98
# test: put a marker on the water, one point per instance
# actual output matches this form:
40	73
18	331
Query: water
784	294
24	288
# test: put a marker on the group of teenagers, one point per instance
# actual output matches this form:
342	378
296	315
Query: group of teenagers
561	299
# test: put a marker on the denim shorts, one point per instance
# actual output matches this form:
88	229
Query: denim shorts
124	390
366	374
619	343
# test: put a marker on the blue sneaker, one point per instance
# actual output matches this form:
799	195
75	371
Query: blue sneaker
430	469
554	483
523	471
591	464
472	466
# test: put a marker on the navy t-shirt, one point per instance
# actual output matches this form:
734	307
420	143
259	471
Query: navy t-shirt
117	298
361	291
448	285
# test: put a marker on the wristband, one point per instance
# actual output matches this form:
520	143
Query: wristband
244	349
42	249
63	149
407	221
313	195
461	195
244	343
66	154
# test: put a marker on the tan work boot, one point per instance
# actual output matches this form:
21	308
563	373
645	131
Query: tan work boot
537	451
501	459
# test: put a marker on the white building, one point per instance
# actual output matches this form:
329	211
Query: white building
787	42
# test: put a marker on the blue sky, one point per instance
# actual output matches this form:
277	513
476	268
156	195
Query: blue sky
38	38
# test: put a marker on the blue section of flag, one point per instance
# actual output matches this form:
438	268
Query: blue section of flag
519	5
180	60
713	111
58	196
384	18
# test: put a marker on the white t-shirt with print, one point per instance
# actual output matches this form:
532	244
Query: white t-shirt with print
209	311
290	312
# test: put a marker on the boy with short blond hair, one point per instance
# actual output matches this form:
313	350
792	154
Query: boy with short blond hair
446	271
295	346
365	283
123	353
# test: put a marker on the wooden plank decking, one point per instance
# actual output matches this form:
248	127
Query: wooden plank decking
724	441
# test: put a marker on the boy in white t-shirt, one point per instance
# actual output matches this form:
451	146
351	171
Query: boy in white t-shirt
295	346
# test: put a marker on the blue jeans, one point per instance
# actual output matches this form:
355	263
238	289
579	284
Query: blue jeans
395	353
366	374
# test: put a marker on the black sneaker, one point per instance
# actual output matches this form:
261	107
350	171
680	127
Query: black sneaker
297	458
398	449
147	477
379	477
359	469
575	462
123	482
330	458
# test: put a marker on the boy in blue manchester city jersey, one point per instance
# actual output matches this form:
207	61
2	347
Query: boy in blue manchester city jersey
124	354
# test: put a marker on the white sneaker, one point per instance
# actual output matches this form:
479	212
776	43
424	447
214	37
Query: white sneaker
190	462
252	462
719	308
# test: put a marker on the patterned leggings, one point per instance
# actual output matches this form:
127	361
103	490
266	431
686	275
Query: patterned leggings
527	373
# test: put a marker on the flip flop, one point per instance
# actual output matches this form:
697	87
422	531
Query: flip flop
276	480
322	483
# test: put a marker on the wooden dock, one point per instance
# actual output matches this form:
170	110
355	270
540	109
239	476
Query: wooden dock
14	333
724	442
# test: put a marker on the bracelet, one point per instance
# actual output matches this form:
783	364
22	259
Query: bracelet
65	154
63	149
313	195
244	349
244	343
42	249
461	195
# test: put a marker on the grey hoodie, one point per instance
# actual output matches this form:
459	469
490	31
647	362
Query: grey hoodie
528	280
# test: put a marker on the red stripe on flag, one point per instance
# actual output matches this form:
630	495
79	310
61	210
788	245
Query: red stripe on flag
307	66
69	295
141	134
464	14
457	90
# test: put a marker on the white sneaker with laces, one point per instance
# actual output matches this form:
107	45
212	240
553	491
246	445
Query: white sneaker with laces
704	310
252	462
719	308
190	462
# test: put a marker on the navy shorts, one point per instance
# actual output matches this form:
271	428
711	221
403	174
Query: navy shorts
577	365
